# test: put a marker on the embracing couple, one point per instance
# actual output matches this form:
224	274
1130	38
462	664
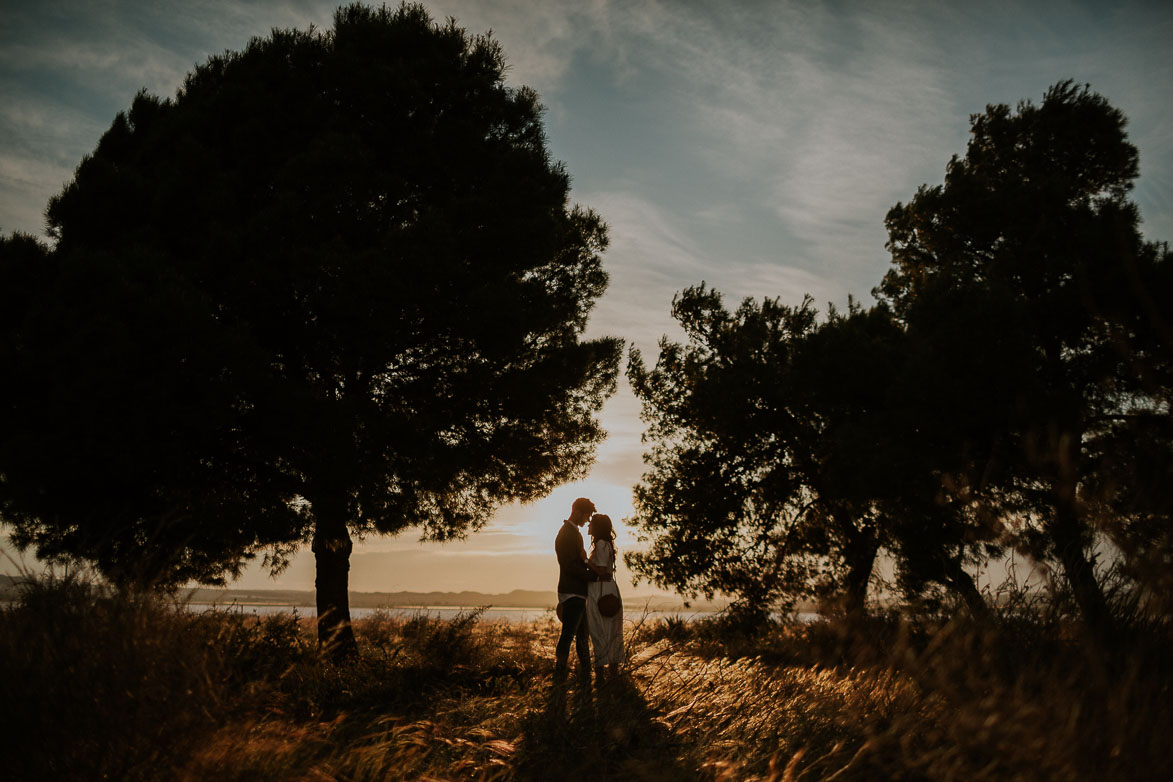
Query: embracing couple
588	597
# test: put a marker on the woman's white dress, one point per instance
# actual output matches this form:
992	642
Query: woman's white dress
606	631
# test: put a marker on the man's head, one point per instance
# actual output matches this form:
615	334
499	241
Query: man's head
580	511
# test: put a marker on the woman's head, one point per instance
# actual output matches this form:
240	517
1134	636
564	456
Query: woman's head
600	527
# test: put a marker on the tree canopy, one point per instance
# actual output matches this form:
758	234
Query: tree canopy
333	287
1033	228
1011	388
768	469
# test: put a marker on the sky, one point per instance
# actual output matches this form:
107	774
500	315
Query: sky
755	146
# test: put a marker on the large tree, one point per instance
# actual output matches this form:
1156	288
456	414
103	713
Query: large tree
333	287
1032	227
123	415
945	406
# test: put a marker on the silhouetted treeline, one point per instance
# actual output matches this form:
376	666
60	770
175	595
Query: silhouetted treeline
1009	392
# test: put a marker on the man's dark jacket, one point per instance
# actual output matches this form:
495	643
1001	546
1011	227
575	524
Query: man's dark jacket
573	573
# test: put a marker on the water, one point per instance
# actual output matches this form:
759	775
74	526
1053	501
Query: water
490	615
510	615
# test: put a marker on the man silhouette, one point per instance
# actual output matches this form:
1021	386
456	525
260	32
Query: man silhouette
573	575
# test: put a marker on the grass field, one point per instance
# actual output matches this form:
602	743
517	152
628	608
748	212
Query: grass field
125	687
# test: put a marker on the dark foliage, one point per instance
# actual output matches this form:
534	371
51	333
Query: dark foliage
333	287
1012	388
768	464
1040	315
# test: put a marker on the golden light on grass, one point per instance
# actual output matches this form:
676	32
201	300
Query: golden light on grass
166	693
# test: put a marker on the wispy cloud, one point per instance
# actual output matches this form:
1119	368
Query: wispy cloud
654	255
825	132
43	142
650	258
22	194
540	40
116	66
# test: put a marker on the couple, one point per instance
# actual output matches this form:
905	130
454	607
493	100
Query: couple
584	584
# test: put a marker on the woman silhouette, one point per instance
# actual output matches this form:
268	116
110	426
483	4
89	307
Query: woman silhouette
604	604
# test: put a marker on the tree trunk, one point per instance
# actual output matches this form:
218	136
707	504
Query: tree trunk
861	558
1067	534
962	584
332	547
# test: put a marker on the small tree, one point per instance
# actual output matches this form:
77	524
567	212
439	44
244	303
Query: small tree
1032	227
788	453
771	456
339	290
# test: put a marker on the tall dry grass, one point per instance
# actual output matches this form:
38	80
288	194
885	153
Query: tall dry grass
101	685
893	699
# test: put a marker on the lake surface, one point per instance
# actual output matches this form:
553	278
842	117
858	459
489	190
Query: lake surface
511	615
492	614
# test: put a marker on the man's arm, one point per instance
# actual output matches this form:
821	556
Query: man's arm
572	555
